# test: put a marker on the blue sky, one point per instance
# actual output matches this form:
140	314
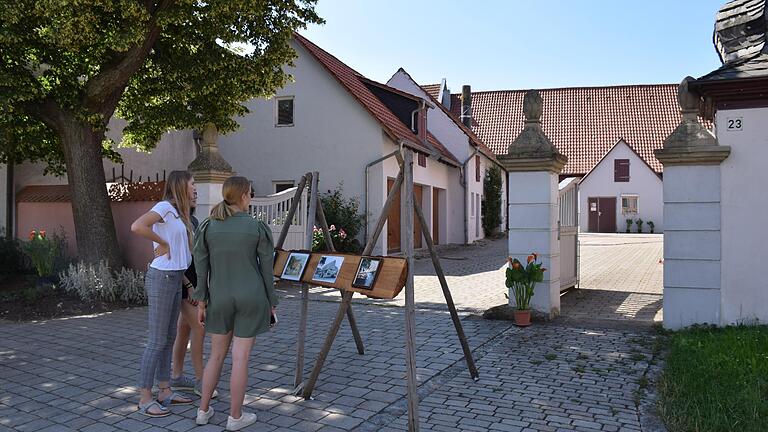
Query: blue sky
518	44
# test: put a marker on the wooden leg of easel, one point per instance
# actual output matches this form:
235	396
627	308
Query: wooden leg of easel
329	245
299	376
309	385
299	373
447	293
410	314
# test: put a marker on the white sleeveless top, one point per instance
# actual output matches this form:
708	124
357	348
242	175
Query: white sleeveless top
174	232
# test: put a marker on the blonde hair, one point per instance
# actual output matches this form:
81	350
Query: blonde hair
176	192
234	188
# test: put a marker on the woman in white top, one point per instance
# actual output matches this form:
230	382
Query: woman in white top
169	227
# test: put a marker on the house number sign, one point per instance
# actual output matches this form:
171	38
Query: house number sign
733	124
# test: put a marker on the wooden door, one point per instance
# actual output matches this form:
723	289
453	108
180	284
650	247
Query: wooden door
594	215
435	216
418	236
393	220
607	209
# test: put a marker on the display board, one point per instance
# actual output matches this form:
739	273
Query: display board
386	283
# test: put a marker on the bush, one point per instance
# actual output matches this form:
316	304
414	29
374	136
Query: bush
99	283
491	206
12	258
629	225
42	252
343	214
639	223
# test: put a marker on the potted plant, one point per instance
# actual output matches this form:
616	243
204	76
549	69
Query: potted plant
639	223
651	226
521	281
629	225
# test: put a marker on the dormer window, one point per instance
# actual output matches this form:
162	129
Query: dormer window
284	111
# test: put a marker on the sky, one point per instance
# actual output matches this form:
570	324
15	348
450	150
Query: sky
516	44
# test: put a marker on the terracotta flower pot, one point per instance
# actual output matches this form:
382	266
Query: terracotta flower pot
522	318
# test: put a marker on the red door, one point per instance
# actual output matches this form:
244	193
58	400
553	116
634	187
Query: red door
602	214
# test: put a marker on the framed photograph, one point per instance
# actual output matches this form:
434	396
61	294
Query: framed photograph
295	266
366	273
328	269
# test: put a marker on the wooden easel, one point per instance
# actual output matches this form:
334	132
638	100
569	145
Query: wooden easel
409	206
315	212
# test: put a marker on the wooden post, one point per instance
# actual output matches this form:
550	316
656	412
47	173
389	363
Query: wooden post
346	297
410	316
447	293
329	245
292	211
299	376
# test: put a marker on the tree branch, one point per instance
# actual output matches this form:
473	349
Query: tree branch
48	112
103	92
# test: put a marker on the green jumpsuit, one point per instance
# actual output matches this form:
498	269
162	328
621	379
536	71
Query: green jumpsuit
234	263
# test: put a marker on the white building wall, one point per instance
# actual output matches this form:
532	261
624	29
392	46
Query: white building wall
744	211
175	151
332	134
643	182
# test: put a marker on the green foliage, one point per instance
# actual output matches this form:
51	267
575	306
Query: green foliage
343	214
159	65
12	258
491	205
42	252
639	223
629	225
100	283
716	380
522	279
651	226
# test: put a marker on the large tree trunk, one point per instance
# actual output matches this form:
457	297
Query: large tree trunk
94	225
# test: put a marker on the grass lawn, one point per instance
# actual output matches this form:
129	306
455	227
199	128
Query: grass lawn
716	380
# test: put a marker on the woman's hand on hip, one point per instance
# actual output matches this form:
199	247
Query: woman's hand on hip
163	249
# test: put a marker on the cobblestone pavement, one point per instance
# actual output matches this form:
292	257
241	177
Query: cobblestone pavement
570	374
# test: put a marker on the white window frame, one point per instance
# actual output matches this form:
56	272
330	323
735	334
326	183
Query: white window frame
277	111
276	183
627	210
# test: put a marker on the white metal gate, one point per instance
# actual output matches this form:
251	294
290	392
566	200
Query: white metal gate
568	233
273	209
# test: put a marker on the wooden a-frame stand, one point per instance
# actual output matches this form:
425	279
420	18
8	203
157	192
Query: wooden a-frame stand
409	206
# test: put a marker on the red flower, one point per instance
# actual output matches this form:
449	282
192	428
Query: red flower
42	233
530	258
535	256
509	260
32	235
543	270
515	265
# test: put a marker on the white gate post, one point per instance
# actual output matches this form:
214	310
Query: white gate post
533	165
691	158
210	170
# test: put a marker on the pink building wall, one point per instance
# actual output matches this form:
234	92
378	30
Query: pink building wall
53	216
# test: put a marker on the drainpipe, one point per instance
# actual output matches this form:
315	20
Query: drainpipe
9	201
463	178
367	167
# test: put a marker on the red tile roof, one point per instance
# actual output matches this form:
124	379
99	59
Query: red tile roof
353	82
432	90
584	123
118	192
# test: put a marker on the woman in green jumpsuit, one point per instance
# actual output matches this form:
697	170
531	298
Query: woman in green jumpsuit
233	255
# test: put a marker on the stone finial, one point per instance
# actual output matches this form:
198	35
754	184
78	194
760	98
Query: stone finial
209	165
533	106
690	143
532	150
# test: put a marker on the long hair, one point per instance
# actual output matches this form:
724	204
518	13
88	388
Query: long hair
176	193
234	188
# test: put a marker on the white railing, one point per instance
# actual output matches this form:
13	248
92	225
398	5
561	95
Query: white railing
273	209
568	232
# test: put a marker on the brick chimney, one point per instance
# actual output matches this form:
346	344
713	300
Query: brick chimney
466	105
